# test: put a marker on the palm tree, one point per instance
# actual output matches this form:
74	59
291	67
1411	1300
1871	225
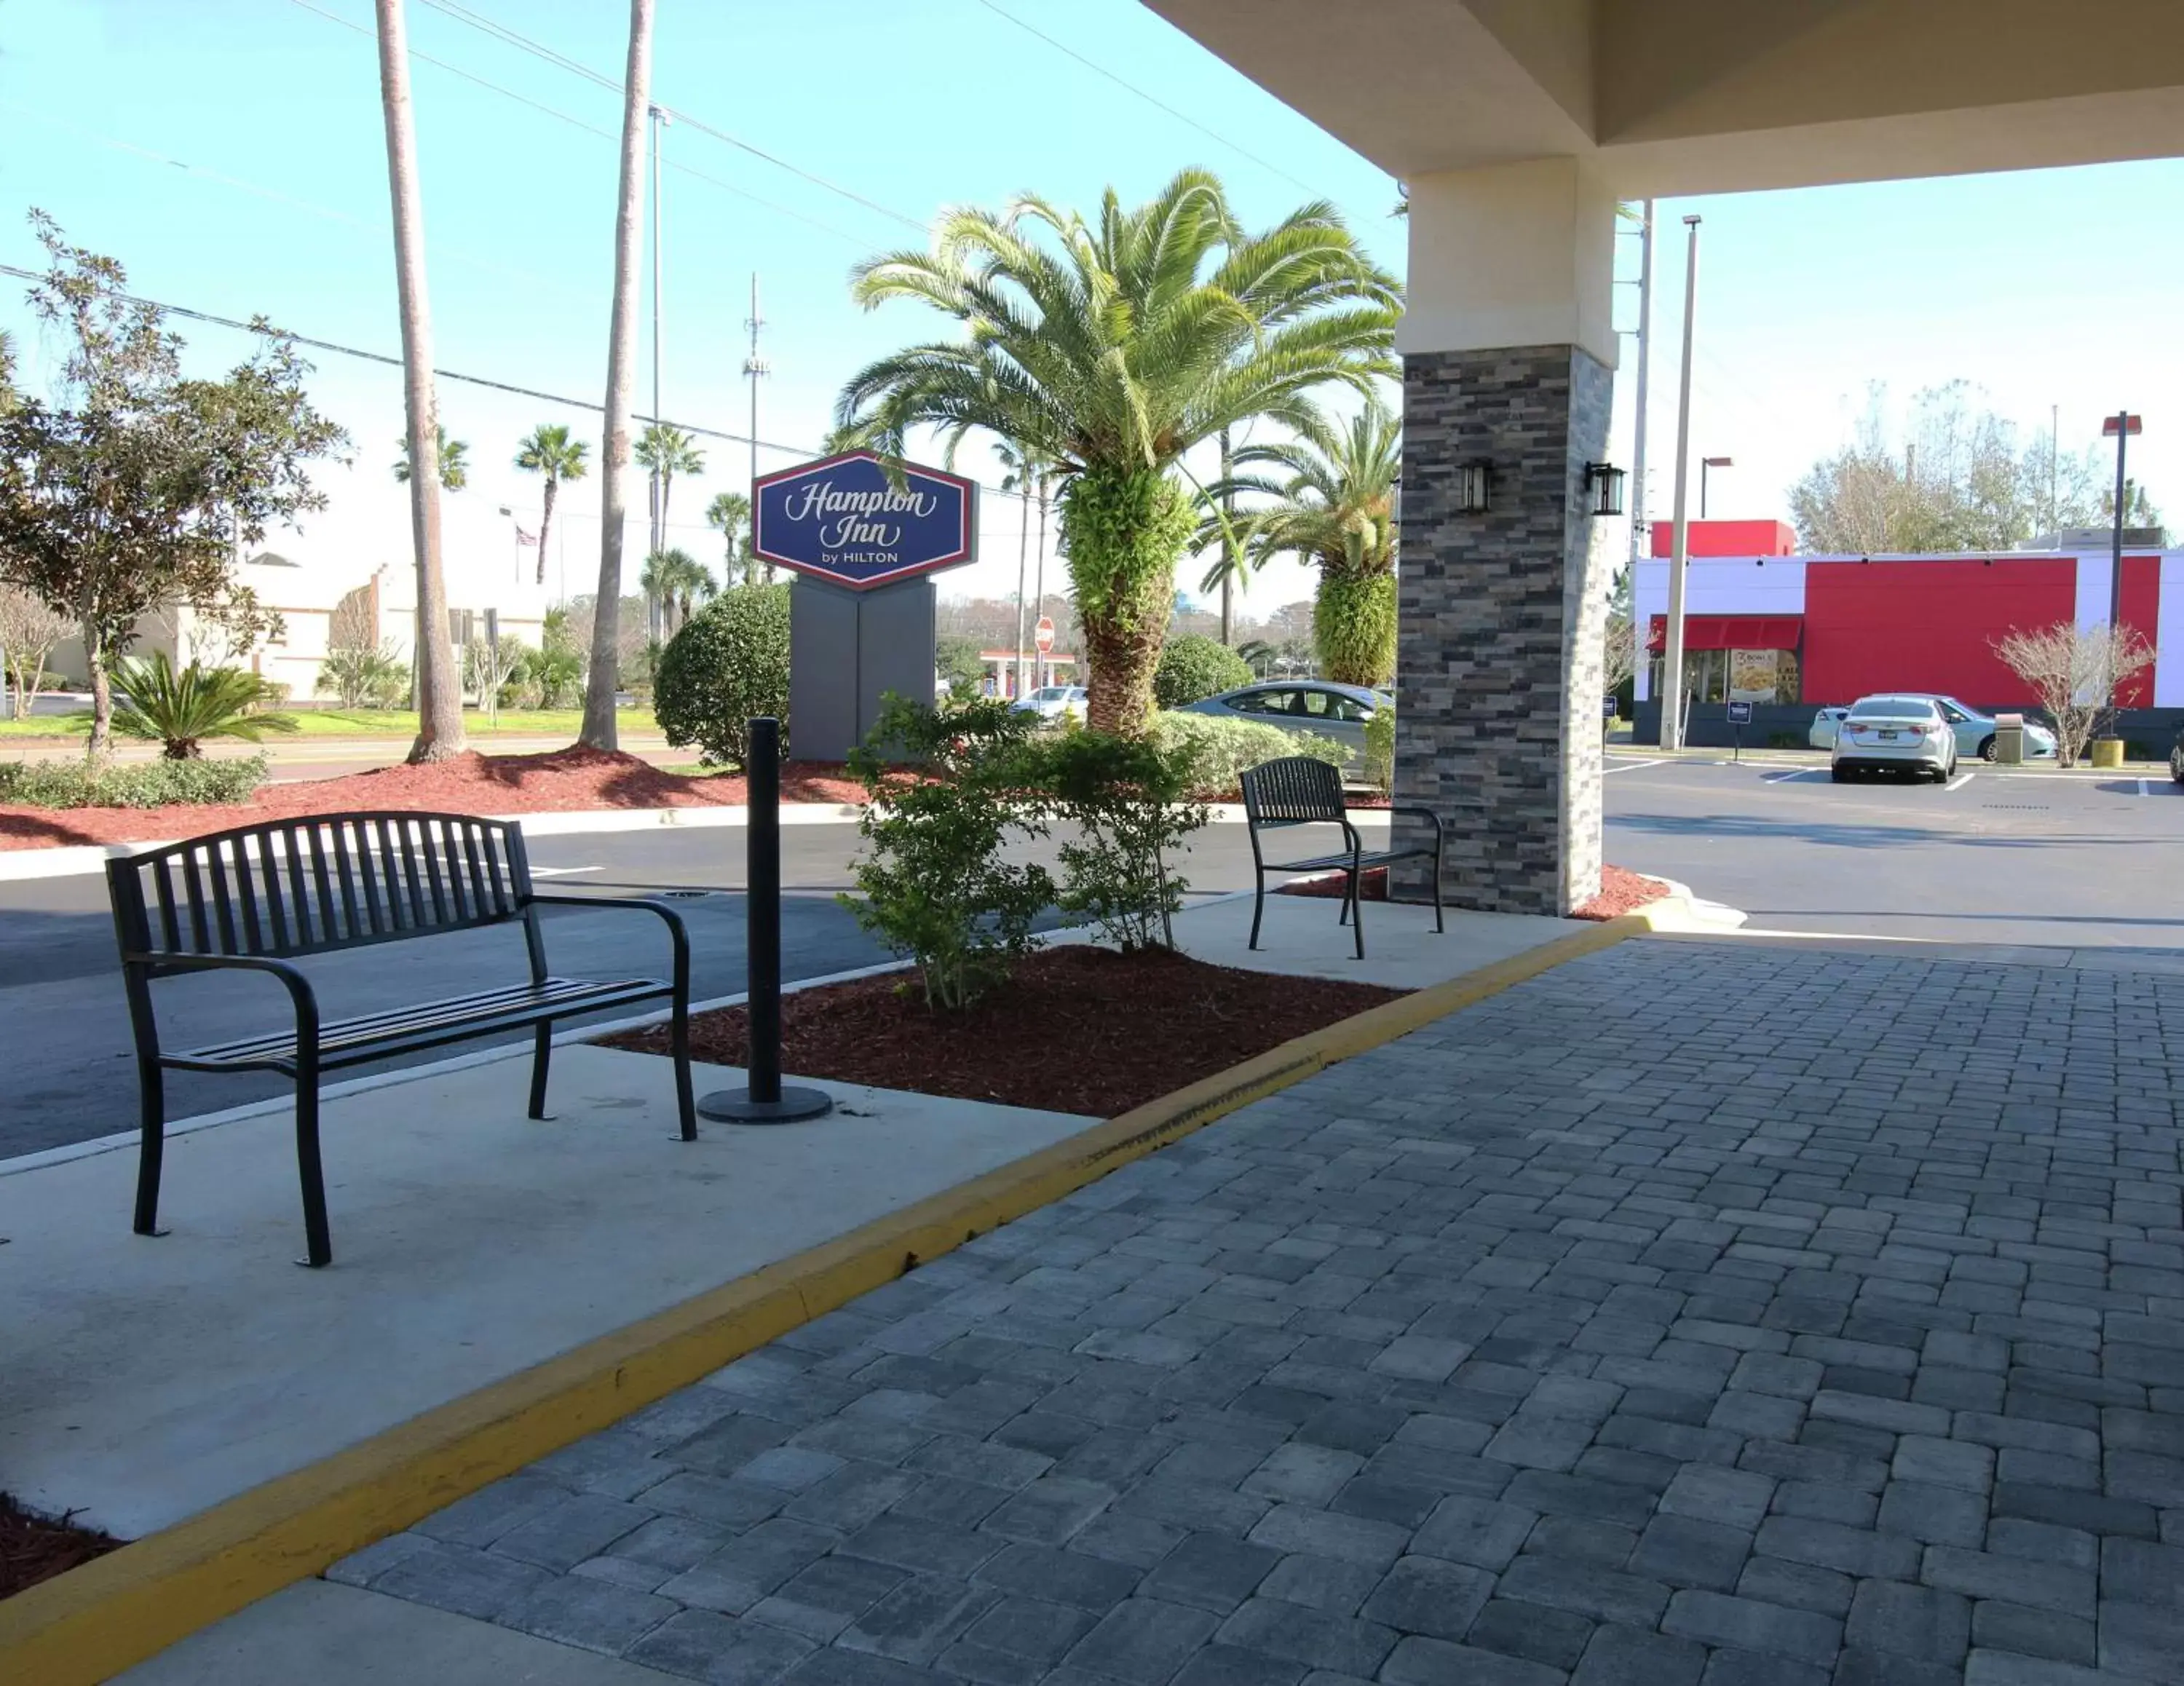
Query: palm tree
667	451
1334	492
730	512
179	708
551	452
605	679
673	580
439	680
454	457
1114	346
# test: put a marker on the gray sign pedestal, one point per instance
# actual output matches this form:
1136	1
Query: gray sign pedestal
847	649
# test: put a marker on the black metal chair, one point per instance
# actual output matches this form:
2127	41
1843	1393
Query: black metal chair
258	897
1299	791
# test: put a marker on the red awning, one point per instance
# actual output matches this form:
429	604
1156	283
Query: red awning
1731	632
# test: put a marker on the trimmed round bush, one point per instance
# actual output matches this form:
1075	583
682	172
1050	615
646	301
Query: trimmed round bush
1218	752
1194	668
728	663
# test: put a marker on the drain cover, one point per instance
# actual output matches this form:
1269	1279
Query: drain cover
2016	807
685	895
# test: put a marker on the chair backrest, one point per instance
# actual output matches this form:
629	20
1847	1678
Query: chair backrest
331	881
1295	790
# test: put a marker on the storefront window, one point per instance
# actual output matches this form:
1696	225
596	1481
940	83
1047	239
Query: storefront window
1732	675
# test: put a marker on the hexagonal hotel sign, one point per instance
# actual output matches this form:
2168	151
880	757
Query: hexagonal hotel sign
842	520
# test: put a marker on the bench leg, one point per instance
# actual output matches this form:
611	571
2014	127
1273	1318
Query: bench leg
318	1242
542	1056
686	1103
152	1145
1258	905
1440	926
1357	916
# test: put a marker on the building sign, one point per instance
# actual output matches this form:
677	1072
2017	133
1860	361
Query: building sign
841	518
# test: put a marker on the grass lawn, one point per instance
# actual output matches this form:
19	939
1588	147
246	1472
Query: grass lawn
372	723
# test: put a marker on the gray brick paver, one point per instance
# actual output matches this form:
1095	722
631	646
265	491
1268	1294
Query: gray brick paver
1583	1336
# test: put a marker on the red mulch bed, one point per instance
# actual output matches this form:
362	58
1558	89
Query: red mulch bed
1621	891
561	781
35	1548
1076	1029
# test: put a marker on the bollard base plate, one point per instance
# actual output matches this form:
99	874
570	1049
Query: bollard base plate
736	1106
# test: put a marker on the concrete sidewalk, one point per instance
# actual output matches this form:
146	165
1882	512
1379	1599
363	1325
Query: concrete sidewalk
145	1380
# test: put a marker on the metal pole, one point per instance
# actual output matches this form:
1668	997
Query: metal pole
2116	554
764	1100
1671	662
1227	552
658	524
1645	362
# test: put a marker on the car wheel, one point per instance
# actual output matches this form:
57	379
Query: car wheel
2176	766
1840	775
1987	751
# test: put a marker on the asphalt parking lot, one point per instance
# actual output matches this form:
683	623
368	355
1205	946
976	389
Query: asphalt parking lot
1998	856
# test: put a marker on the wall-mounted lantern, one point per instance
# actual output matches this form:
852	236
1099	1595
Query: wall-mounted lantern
1606	480
1474	487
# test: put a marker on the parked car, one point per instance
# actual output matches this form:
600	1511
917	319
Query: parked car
1895	734
1052	701
1314	705
2177	757
1822	735
1975	732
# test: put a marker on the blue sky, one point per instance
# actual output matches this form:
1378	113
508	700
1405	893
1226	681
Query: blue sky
230	152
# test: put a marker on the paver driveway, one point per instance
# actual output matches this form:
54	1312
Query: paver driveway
1693	1312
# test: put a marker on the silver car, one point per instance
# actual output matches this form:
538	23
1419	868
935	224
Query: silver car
1895	734
1052	701
1315	705
1822	734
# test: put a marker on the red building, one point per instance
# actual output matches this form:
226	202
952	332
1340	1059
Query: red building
1763	624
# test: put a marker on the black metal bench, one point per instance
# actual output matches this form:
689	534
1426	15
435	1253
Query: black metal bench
256	897
1299	791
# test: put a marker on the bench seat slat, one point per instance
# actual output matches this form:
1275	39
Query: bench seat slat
1371	857
373	1034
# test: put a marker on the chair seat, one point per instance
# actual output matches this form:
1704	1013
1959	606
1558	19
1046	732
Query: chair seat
424	1024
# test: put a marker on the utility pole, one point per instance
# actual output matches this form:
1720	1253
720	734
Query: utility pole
1638	533
755	368
660	120
1671	662
1228	547
2123	424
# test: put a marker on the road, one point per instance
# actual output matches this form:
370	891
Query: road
2000	858
2017	857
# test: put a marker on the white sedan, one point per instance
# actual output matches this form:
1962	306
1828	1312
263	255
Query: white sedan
1052	701
1895	734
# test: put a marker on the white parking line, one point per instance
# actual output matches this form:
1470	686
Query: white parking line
1960	781
1622	766
1798	773
2142	790
559	871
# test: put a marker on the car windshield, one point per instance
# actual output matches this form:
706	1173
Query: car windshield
1892	707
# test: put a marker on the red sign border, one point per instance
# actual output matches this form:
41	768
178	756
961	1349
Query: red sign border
965	549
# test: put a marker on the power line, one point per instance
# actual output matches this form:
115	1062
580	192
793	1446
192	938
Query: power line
1131	87
560	60
382	358
575	122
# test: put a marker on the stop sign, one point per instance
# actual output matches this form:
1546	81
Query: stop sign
1043	635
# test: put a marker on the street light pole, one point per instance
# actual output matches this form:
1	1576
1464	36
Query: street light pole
660	120
1672	654
2123	424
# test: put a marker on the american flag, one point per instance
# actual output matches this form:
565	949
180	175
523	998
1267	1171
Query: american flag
523	538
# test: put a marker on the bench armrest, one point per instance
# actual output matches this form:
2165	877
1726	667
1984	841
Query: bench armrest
1415	812
300	994
678	933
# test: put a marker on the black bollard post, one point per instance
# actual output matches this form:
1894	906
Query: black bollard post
764	1101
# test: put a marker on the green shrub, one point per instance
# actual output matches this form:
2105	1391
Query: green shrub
179	708
1380	771
1194	668
936	889
363	677
130	784
1126	801
729	663
1218	752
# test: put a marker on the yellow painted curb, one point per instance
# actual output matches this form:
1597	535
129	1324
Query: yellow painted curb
92	1623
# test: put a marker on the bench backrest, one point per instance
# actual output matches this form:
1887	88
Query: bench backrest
333	881
1295	790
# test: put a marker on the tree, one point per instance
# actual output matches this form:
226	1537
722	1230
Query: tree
730	512
1194	668
133	490
551	452
959	662
29	630
727	665
667	451
1955	480
439	681
488	665
1114	346
2076	671
673	580
604	680
1619	659
1333	503
454	456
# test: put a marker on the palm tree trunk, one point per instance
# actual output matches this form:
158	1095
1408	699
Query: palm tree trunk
598	730
439	696
546	526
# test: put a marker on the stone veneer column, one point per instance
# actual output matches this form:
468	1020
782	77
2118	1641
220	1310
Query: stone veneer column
1502	617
